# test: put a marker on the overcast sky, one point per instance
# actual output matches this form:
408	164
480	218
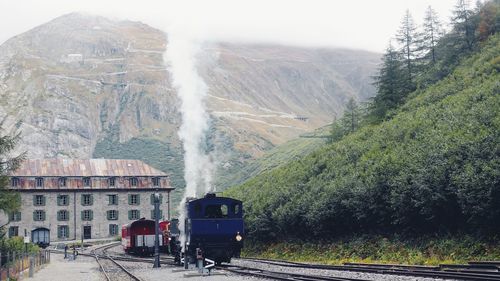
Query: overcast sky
360	24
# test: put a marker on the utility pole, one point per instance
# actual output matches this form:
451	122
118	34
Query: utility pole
157	226
83	231
26	241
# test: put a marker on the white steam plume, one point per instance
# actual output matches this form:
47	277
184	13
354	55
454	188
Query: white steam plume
181	57
192	90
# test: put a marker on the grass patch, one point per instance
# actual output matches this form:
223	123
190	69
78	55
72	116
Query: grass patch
378	249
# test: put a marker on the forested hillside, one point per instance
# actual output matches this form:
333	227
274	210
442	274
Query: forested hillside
427	162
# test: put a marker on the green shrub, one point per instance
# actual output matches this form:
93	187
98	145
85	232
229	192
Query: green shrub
16	244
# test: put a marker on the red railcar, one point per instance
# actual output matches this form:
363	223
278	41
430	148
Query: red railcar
165	231
138	237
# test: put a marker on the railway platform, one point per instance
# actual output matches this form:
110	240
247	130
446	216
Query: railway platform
59	269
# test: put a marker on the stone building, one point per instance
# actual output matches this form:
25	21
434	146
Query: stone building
65	199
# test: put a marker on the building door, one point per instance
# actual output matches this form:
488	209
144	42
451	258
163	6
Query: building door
41	236
87	232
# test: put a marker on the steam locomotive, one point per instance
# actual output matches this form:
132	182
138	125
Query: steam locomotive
213	226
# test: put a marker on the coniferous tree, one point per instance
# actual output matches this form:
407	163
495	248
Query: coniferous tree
409	40
389	83
9	201
336	132
463	25
350	121
352	117
432	32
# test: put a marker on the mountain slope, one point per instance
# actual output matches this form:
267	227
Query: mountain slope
82	86
276	157
435	166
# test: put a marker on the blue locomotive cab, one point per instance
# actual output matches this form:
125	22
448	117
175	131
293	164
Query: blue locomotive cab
215	225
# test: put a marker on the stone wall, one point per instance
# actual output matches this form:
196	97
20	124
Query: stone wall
99	223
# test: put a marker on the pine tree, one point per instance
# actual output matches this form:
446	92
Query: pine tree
463	24
409	40
352	117
349	123
9	201
389	84
336	132
432	32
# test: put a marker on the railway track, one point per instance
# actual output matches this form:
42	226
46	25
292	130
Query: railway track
110	272
164	260
257	272
128	257
122	257
475	271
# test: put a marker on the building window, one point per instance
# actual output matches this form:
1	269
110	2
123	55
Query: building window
13	231
39	200
113	229
86	182
153	214
87	215
62	182
15	216
134	199
62	231
134	214
39	182
15	182
112	215
133	181
62	215
62	200
156	182
87	200
113	199
39	215
112	182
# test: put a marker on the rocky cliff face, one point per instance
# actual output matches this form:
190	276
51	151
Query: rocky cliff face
83	86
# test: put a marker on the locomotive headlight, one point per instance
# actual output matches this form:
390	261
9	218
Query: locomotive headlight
239	237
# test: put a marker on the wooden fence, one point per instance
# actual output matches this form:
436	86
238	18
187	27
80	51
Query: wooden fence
15	265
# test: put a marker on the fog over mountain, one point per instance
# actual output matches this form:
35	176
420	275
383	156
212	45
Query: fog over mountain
80	85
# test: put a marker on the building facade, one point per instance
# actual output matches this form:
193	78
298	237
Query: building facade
70	199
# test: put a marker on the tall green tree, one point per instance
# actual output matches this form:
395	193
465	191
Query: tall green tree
9	200
409	41
463	25
390	86
349	123
336	132
432	32
352	117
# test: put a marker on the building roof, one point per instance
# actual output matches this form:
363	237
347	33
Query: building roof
58	167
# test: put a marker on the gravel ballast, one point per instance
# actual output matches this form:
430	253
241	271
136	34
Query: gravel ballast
168	272
332	273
